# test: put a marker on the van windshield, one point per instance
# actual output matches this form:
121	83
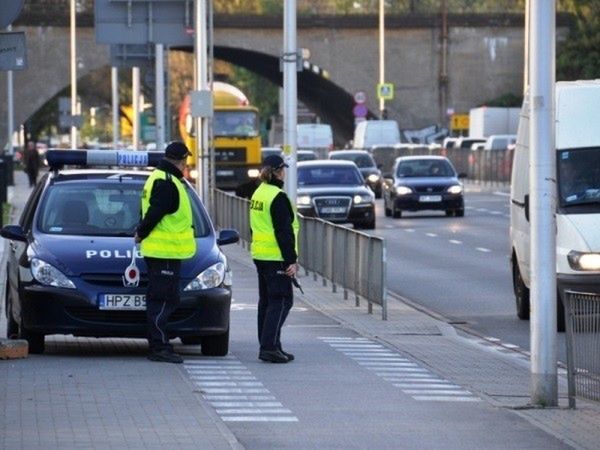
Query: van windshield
579	179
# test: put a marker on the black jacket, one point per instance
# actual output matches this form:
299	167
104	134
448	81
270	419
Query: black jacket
164	199
282	215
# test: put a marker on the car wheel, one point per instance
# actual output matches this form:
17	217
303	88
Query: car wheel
36	341
449	213
12	327
191	340
217	345
521	293
367	225
459	212
397	213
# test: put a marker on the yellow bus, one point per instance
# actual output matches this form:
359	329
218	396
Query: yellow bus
236	134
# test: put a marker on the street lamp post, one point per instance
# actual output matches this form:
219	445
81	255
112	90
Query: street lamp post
381	55
73	76
290	93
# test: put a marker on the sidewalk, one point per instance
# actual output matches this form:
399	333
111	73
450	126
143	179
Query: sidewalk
106	394
99	393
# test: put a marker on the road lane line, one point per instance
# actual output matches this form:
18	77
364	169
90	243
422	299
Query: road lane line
454	241
483	249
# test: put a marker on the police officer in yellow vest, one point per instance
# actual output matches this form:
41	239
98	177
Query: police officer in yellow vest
167	237
275	251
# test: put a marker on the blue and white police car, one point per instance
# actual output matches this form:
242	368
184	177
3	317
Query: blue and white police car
71	265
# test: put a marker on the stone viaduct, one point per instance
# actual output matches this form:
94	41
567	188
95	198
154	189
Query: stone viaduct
484	59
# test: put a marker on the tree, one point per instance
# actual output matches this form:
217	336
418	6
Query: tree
579	56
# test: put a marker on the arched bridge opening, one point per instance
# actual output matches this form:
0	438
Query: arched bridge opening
322	96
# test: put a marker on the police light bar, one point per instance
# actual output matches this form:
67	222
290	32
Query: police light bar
123	158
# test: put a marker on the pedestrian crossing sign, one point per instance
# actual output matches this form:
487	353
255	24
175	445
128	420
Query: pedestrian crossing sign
385	91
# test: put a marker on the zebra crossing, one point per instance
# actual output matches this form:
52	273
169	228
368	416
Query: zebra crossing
403	373
234	392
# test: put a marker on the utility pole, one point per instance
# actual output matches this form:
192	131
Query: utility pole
290	96
542	174
381	55
114	85
73	76
135	106
201	84
159	94
10	107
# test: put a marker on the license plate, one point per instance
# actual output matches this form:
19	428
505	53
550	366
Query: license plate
122	301
333	210
225	173
430	198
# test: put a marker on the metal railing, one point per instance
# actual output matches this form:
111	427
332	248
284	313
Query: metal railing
492	167
582	316
349	259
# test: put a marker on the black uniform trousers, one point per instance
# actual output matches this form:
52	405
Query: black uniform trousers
162	298
275	299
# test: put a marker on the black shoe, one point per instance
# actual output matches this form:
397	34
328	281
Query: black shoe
289	356
165	355
274	356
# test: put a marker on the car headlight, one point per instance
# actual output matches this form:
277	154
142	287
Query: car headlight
209	278
456	189
584	261
373	178
361	199
49	275
303	200
253	173
403	190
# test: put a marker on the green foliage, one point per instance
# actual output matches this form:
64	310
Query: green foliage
505	101
579	56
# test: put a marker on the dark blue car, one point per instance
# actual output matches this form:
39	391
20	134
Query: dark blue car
68	256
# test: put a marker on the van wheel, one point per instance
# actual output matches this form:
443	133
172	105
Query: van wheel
449	213
217	345
521	293
459	212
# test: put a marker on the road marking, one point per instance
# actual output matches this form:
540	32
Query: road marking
409	230
496	213
431	234
454	241
234	392
447	398
401	372
483	249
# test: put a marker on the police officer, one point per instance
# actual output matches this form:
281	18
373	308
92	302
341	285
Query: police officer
167	237
274	249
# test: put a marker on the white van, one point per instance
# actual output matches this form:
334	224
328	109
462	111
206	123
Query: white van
499	141
317	137
578	197
376	132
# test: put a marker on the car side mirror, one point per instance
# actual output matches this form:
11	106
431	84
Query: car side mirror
228	237
462	175
14	233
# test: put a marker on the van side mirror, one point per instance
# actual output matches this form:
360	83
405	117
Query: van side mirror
526	201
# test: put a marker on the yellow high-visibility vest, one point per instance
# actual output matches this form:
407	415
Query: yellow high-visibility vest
264	244
173	236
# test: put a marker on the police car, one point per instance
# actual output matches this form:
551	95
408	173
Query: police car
72	266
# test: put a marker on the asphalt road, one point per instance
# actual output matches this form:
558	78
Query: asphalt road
459	267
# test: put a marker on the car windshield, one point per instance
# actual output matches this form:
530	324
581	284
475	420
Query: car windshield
361	160
336	175
306	156
235	123
579	177
425	168
99	209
